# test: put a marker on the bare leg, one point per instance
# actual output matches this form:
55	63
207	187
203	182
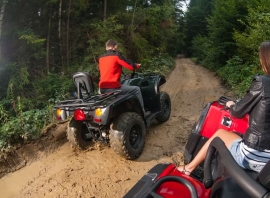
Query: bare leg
226	136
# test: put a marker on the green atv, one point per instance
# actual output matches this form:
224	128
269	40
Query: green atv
114	118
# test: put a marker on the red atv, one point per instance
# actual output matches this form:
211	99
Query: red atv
164	180
214	116
219	176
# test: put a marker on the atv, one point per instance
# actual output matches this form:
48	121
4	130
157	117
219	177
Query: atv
214	116
165	180
114	118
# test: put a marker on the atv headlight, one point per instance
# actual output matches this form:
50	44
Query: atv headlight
98	112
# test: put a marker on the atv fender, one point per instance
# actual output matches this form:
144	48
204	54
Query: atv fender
122	103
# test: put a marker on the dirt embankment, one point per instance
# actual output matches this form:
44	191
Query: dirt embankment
53	169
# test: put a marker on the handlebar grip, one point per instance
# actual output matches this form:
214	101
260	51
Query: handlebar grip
208	179
180	180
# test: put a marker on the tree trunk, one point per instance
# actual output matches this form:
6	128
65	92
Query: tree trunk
105	10
1	23
48	47
132	22
60	35
69	6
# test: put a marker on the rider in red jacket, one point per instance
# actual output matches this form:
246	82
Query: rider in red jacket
110	68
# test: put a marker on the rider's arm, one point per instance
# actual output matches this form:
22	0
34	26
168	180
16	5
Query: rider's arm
126	63
253	95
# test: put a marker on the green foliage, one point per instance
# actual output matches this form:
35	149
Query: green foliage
199	44
101	31
60	87
215	44
142	48
24	125
237	75
158	64
221	25
3	113
235	31
32	39
19	77
196	22
242	87
41	51
257	30
30	45
142	43
162	22
27	125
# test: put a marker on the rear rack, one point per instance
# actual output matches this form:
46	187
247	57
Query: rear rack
91	101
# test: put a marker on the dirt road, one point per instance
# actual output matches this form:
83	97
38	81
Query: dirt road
60	171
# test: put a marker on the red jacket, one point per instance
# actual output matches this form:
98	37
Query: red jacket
110	68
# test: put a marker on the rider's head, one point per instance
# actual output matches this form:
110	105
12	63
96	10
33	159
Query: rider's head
264	53
111	45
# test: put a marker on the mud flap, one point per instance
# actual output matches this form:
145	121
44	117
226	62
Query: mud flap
195	136
146	182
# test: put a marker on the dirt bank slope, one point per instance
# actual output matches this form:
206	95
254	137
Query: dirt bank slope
99	172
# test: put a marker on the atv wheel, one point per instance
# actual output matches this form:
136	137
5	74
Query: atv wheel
165	106
127	135
78	134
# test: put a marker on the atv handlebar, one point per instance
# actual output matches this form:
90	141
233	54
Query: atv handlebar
223	100
151	193
253	188
133	74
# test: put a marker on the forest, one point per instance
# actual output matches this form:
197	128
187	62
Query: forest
43	42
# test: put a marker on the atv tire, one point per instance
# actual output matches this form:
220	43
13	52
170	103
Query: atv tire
76	134
127	135
165	106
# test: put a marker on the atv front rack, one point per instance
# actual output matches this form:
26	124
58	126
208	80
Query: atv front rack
92	101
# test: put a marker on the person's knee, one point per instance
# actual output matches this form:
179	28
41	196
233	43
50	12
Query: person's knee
221	131
136	88
227	136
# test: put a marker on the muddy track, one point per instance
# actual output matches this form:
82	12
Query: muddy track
99	172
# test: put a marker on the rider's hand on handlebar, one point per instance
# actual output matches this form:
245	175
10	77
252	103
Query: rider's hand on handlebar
229	104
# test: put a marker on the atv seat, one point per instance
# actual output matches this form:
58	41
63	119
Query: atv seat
84	83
